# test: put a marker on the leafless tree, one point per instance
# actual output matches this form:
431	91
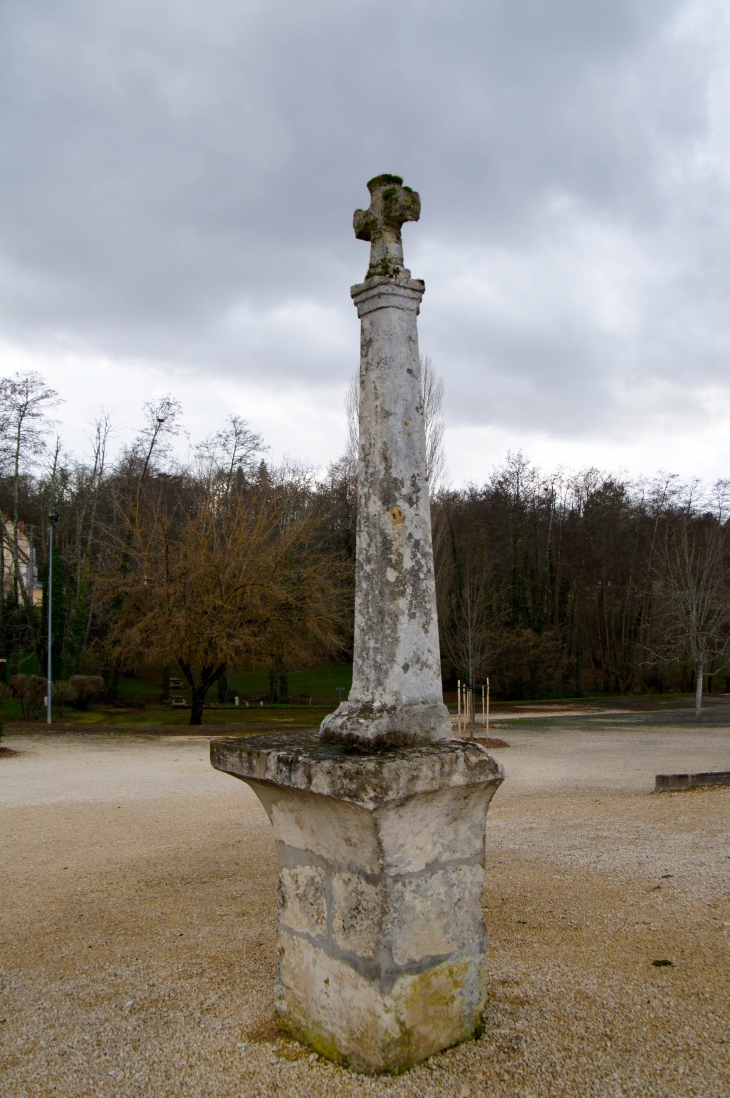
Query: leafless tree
230	450
432	397
692	585
153	443
25	401
352	411
86	530
472	626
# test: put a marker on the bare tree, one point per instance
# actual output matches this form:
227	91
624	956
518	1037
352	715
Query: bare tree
91	482
473	629
230	450
162	424
432	397
693	590
154	442
352	410
25	401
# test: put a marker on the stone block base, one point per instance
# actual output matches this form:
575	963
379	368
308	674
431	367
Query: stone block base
381	941
329	1006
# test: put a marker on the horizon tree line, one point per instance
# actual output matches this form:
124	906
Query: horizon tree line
548	584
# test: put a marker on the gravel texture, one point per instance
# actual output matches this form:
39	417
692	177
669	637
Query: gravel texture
138	915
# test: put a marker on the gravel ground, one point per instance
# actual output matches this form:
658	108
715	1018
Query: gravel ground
138	918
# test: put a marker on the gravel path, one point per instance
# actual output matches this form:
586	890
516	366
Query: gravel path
138	917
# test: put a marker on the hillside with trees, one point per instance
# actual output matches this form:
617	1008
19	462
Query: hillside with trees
550	584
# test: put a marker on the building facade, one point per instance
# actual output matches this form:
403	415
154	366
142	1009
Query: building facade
27	562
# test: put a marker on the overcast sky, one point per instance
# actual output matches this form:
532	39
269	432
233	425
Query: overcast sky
177	183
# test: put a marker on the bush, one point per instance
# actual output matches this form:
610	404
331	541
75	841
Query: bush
88	688
63	693
30	691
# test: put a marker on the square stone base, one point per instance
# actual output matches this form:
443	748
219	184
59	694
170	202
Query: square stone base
381	941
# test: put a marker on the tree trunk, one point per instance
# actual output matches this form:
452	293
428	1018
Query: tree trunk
197	704
112	676
209	674
698	691
222	689
284	688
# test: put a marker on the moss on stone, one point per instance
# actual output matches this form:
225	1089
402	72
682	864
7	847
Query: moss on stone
378	180
382	269
479	1028
313	1038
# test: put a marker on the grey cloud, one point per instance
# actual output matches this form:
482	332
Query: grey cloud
176	174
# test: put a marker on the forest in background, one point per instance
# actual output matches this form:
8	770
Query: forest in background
550	584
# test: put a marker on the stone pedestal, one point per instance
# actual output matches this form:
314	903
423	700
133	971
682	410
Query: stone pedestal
381	942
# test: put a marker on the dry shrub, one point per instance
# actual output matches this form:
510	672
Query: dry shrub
87	688
30	690
63	693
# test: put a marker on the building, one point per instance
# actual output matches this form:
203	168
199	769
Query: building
28	567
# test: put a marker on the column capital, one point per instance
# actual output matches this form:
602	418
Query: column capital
388	293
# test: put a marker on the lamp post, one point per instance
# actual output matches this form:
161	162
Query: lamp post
53	520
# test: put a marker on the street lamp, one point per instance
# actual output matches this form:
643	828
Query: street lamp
53	520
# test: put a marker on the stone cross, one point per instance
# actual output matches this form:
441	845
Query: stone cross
379	822
391	204
396	695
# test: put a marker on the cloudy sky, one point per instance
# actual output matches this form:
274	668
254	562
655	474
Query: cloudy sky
177	182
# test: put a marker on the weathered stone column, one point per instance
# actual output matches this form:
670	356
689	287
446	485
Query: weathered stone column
379	821
396	695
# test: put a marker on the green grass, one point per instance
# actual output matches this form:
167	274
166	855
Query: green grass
319	684
160	717
312	694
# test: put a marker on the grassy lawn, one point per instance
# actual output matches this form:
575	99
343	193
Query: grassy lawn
158	718
319	684
312	693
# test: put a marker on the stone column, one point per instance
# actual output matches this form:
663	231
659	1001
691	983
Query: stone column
396	695
379	821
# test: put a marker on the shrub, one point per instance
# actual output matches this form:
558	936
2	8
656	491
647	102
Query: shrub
63	693
30	691
88	688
